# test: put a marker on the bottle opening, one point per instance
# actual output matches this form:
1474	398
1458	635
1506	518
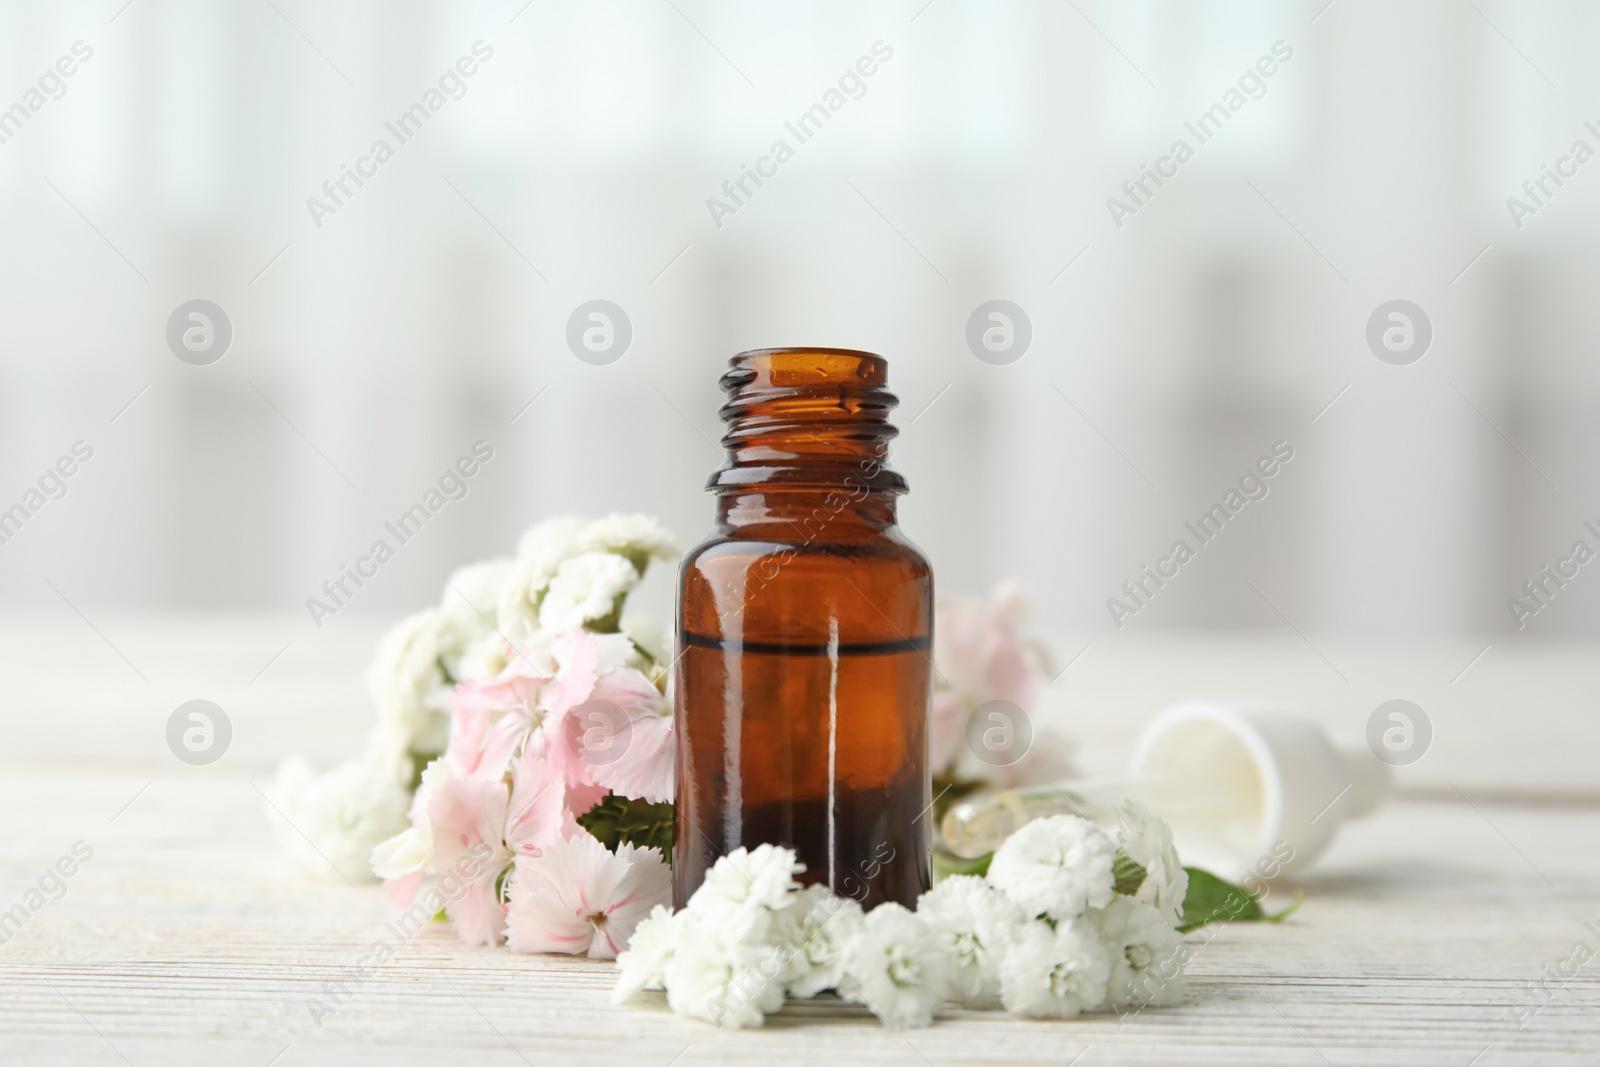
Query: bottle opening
782	368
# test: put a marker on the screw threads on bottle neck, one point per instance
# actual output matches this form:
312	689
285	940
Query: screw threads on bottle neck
808	417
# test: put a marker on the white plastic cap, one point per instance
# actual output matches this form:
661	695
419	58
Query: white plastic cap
1253	793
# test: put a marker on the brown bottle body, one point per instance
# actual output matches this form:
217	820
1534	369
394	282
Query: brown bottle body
805	627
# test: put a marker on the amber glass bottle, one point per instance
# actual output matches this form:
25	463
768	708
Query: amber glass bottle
805	626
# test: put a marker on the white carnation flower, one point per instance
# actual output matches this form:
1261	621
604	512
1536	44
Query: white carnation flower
897	968
1147	955
412	674
337	818
585	588
1148	842
974	924
616	651
643	964
472	593
480	660
817	931
405	853
551	540
747	879
639	536
474	649
392	740
533	651
540	552
422	657
724	968
647	633
1055	866
412	849
543	549
408	683
1055	973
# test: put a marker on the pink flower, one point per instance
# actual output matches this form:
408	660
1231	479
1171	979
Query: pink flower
571	689
479	829
977	649
469	853
537	814
402	861
577	897
521	708
612	731
949	723
537	720
491	721
645	764
402	890
979	657
579	656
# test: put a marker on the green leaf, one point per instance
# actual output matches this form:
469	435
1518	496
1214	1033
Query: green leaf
419	762
1129	875
619	819
945	864
1211	900
640	559
609	623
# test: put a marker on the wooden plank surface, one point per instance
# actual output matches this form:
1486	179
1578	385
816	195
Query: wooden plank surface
187	937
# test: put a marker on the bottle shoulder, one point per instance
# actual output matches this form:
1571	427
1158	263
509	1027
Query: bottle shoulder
873	591
724	546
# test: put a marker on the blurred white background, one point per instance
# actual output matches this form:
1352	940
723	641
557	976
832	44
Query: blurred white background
1168	353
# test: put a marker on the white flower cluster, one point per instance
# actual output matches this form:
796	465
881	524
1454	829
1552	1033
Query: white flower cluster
749	935
1065	921
1099	932
567	573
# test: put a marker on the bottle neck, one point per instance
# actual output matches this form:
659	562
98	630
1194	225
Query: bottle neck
812	419
798	514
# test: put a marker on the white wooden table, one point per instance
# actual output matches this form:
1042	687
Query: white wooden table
188	937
